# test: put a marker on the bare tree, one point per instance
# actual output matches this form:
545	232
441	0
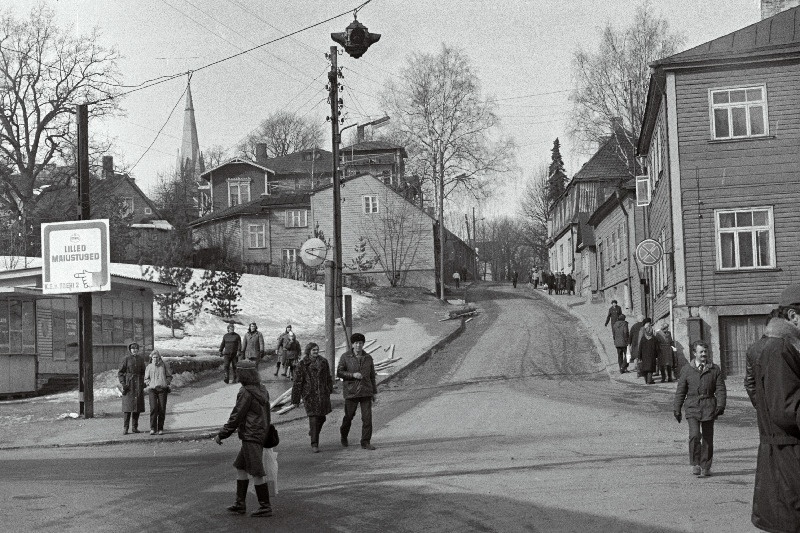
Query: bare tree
284	133
535	213
214	156
451	132
612	82
45	71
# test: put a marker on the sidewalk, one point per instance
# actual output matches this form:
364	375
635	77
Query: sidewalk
593	317
198	412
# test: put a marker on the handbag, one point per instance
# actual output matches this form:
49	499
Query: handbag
272	438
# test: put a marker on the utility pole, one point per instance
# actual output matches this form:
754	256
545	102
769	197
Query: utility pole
442	247
335	279
85	362
474	243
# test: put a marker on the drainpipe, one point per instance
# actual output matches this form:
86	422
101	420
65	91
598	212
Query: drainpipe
627	245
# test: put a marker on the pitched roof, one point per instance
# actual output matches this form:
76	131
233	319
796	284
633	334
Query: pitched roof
776	35
234	161
371	146
609	162
303	162
256	207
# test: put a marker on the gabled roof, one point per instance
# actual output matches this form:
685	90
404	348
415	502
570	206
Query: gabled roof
373	146
778	35
235	161
259	206
609	162
303	162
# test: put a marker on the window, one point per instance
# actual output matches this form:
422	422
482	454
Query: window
127	206
739	113
642	190
267	184
289	256
370	204
614	248
297	218
745	238
148	211
238	192
257	236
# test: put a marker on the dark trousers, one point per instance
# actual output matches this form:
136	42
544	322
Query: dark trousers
458	281
666	373
158	409
621	359
350	406
314	427
701	442
230	362
127	422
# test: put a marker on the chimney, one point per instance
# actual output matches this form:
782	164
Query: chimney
108	167
773	7
616	122
261	153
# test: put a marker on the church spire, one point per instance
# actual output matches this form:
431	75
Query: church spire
190	146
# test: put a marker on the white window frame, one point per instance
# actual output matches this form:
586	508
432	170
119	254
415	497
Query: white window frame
643	190
296	218
369	203
238	183
769	226
256	236
148	211
289	256
729	106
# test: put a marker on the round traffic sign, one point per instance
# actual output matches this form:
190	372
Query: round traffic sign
649	252
313	252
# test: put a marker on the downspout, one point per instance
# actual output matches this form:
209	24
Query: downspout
627	246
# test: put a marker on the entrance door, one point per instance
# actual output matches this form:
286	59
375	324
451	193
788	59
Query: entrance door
737	333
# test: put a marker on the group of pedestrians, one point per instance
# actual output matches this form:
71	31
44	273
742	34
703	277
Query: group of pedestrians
558	282
651	350
137	377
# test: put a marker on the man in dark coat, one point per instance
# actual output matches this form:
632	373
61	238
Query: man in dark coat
648	351
613	312
772	381
131	378
229	348
702	388
634	336
357	370
621	341
313	384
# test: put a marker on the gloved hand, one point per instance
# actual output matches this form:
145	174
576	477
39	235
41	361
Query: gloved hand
678	416
719	412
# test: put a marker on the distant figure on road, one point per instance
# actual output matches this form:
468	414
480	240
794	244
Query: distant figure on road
613	312
229	349
648	351
621	341
253	344
314	384
702	388
551	282
514	278
291	353
131	377
283	337
357	370
250	418
535	277
772	381
666	353
157	377
457	278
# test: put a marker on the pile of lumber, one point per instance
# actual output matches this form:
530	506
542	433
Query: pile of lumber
465	311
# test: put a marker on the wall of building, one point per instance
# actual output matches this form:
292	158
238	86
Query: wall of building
219	183
616	267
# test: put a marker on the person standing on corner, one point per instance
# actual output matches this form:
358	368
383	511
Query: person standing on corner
313	384
131	377
701	390
772	381
253	344
357	370
621	341
613	312
229	349
250	418
157	377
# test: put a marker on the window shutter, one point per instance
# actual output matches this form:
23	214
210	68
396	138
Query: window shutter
643	190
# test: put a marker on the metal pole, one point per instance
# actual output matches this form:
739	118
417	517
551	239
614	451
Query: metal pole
85	361
348	316
330	322
333	81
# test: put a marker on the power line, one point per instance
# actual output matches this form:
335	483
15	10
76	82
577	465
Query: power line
531	95
163	125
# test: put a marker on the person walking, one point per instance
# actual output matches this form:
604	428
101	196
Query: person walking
772	381
253	344
613	312
131	377
357	370
621	341
457	278
570	284
514	278
666	353
250	418
279	350
634	335
648	351
313	384
229	349
701	391
157	377
291	353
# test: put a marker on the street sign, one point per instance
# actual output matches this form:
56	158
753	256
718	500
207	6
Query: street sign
649	252
75	257
313	252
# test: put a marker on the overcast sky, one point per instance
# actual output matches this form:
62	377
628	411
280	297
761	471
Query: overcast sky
520	49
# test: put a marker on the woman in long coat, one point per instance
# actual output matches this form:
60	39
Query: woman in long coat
648	351
314	384
131	378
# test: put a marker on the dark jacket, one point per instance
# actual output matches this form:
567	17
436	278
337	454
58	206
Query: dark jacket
253	345
666	356
613	312
314	384
291	350
702	395
774	328
250	416
621	333
648	351
775	390
231	344
634	334
348	365
131	377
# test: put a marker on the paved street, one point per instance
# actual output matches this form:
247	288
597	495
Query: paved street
515	426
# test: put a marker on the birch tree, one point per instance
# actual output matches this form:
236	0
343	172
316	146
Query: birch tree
284	133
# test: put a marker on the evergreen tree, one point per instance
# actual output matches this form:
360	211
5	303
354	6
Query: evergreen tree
557	177
222	292
170	303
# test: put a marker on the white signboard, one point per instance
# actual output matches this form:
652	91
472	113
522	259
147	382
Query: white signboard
75	257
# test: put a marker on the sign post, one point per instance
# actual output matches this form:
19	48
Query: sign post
649	252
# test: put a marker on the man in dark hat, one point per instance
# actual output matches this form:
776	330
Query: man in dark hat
613	313
772	381
357	370
131	378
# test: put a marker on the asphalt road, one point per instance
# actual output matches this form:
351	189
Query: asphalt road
515	426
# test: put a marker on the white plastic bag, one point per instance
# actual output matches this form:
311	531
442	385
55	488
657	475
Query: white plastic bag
271	468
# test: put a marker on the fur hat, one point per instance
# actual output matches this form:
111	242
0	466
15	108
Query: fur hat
790	296
358	337
131	345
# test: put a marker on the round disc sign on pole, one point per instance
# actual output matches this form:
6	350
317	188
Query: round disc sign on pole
313	252
649	252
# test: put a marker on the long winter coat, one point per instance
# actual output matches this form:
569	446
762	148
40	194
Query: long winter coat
253	345
648	351
701	394
634	334
621	333
666	356
250	416
348	365
314	384
291	351
131	377
774	366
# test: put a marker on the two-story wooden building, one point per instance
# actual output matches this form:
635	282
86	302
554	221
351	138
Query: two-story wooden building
720	134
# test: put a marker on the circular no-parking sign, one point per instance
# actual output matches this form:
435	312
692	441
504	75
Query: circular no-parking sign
649	252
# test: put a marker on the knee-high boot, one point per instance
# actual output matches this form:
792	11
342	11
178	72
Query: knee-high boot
241	496
264	508
277	368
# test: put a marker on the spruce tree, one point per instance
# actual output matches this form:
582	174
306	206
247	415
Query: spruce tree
557	176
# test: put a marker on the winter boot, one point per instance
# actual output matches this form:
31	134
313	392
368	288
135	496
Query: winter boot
241	495
264	508
135	424
277	368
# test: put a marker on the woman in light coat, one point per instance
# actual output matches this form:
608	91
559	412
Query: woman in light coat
157	377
